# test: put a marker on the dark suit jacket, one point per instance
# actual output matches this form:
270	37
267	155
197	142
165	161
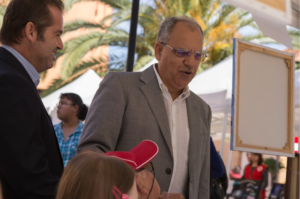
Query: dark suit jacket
30	159
129	108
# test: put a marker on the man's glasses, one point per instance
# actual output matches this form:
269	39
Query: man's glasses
150	168
63	104
184	53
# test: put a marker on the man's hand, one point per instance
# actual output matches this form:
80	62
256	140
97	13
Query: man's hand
166	195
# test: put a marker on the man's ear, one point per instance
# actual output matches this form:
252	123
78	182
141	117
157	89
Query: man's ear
158	50
30	32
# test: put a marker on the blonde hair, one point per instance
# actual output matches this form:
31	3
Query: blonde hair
92	175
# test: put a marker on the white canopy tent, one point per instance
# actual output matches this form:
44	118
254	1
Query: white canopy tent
214	86
85	86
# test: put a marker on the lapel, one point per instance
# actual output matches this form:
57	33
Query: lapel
154	96
15	64
195	147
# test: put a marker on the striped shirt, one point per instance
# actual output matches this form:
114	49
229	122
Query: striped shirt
68	147
34	75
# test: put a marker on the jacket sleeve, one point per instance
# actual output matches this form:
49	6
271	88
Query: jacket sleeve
23	165
104	118
216	165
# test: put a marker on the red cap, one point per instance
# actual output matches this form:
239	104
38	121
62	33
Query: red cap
139	156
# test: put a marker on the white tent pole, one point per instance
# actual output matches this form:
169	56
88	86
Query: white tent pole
224	130
229	161
298	140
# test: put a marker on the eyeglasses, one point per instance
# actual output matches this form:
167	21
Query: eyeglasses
183	53
63	104
150	168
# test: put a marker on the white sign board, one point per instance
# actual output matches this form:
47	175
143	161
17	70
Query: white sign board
262	102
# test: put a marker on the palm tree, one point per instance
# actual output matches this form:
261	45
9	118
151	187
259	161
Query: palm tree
219	21
293	32
3	5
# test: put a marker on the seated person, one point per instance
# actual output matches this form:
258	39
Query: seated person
139	158
235	173
256	170
93	176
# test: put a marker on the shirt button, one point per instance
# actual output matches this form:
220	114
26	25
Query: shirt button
168	171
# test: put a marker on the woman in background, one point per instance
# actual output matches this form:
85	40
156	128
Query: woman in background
256	170
93	176
71	111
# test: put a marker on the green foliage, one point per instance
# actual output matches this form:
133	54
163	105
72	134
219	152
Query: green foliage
297	65
95	64
143	61
271	164
219	21
70	3
149	20
2	12
79	24
294	35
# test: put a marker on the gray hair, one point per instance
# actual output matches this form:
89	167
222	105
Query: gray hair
167	26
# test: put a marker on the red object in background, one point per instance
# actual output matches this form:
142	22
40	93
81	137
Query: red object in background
296	140
234	176
256	174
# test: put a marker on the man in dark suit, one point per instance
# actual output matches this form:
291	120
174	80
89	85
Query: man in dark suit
30	160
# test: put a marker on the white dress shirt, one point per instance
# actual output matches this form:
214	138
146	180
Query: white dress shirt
180	134
34	75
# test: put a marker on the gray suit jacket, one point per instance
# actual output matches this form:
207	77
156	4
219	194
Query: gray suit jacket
129	108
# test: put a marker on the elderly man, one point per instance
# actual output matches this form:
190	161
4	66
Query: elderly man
157	105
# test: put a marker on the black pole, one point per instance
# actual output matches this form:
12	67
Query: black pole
287	186
277	168
132	35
